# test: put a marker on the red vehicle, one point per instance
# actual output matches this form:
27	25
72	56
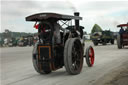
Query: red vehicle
122	38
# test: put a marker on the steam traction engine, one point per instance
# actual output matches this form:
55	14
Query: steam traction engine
48	55
122	38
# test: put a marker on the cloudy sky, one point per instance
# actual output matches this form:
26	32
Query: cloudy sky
107	13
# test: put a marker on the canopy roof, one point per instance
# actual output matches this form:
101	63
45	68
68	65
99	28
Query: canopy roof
56	16
122	25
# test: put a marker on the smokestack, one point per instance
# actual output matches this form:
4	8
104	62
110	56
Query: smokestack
76	13
76	21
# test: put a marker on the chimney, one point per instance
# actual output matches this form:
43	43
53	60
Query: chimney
76	21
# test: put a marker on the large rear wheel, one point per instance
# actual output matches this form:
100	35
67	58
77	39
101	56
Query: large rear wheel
119	45
73	56
90	57
36	63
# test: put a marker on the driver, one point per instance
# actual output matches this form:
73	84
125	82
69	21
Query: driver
121	31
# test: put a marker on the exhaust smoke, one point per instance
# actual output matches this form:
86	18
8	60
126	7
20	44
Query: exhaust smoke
72	7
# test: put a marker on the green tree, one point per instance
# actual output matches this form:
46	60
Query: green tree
96	28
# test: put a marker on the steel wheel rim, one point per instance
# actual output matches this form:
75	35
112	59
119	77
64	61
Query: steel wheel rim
76	59
91	56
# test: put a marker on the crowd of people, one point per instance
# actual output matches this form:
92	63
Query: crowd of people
22	41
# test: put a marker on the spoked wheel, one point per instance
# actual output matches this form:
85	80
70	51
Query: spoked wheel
90	57
36	63
73	56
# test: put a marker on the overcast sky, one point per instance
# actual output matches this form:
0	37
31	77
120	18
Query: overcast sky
107	14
